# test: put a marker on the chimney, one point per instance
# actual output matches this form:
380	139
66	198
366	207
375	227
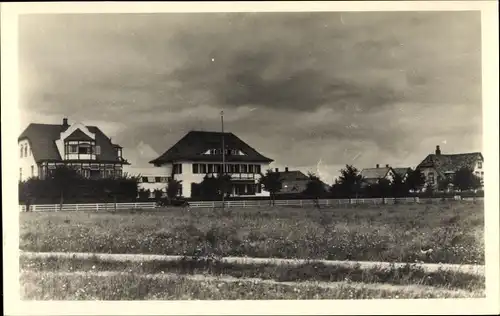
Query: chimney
387	166
438	150
65	122
377	165
286	169
277	170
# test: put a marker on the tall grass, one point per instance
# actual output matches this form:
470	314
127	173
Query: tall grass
404	233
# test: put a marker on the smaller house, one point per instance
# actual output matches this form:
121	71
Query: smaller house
293	181
438	166
373	175
150	179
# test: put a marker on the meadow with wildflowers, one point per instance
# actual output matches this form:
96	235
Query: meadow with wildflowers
446	233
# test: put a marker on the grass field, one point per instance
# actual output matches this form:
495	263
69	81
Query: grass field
47	285
394	233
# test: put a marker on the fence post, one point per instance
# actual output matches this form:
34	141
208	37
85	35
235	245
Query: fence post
77	207
300	203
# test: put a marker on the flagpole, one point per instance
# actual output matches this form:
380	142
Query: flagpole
223	159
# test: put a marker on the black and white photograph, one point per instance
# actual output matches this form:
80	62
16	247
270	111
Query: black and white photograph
250	155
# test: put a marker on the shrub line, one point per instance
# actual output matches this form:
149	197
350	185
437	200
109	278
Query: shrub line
428	267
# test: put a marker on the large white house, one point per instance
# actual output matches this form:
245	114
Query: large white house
43	147
199	153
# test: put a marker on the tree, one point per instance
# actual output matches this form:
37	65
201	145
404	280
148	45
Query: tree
349	182
144	194
415	180
64	180
173	188
315	188
158	193
272	183
399	186
429	189
444	184
383	187
465	179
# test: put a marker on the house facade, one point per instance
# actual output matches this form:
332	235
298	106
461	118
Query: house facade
199	154
436	167
373	175
293	181
43	147
150	178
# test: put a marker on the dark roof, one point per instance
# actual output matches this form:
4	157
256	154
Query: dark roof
450	163
401	171
375	173
195	143
294	175
79	135
42	139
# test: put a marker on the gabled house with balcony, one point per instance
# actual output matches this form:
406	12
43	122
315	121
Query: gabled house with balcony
436	167
44	147
199	153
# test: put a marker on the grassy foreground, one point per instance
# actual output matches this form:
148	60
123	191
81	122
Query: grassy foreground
130	286
407	275
454	232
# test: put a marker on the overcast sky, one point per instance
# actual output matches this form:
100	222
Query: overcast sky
302	88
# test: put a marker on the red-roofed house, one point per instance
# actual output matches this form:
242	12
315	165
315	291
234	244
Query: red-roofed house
199	153
438	166
43	147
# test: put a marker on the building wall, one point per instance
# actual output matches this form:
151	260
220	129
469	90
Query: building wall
27	165
287	186
187	176
426	172
479	169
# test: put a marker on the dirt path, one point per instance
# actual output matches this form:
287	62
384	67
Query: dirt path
241	281
429	267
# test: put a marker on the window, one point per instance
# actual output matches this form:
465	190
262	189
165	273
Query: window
180	189
164	179
26	151
22	150
151	180
203	168
217	168
244	168
195	168
32	171
210	168
259	189
145	179
118	173
20	173
30	151
250	168
177	168
97	150
257	168
73	149
109	173
431	177
157	179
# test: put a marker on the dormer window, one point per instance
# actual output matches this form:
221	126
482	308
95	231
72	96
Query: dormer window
480	165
